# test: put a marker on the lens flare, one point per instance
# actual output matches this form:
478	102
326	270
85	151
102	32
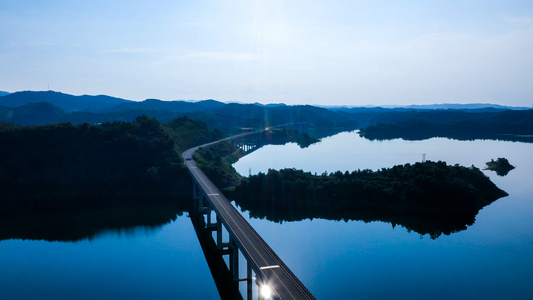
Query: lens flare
266	292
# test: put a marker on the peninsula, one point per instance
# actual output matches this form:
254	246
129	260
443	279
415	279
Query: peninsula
430	198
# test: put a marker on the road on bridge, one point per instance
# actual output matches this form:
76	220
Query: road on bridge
268	267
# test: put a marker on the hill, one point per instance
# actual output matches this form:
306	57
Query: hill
233	116
478	120
68	103
447	106
230	118
66	167
470	106
172	106
32	114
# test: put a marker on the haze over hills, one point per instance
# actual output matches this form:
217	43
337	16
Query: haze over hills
462	106
68	103
35	108
104	103
174	106
32	114
454	106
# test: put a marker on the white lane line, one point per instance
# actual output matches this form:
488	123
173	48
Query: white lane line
269	267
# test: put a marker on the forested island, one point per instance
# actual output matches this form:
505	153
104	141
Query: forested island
429	198
501	166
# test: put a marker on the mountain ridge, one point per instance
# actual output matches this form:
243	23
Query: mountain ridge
173	105
228	117
67	102
441	106
37	108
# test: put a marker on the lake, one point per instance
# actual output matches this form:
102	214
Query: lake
492	259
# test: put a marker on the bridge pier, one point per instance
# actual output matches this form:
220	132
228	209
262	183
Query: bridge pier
234	258
249	287
227	287
250	142
219	233
195	191
204	228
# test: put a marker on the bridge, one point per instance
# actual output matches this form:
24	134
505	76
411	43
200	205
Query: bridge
275	279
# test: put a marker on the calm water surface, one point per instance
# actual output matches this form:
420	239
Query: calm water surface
492	259
165	263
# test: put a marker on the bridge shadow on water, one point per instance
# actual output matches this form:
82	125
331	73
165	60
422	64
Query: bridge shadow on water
222	275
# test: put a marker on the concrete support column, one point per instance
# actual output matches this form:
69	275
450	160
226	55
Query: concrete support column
249	281
219	234
201	203
208	215
234	259
204	206
194	190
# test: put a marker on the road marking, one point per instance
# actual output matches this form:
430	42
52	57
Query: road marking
269	267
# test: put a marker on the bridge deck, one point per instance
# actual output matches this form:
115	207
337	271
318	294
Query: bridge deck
265	263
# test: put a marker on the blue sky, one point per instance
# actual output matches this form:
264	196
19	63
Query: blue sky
296	52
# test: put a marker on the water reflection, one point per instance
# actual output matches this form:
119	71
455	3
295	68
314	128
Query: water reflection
349	146
501	166
346	260
421	134
433	225
75	226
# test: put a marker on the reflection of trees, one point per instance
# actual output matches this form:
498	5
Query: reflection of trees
87	224
464	130
216	161
501	166
429	198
